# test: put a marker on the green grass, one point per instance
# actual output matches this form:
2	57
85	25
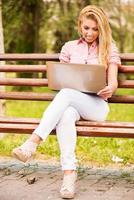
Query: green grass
96	150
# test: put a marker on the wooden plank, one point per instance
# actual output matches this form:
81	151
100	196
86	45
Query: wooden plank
129	99
127	57
29	56
42	68
22	68
106	132
24	82
49	96
35	96
126	84
44	82
126	69
82	131
113	124
39	56
17	128
19	120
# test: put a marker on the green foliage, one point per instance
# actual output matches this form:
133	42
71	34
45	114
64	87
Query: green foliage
121	18
65	25
9	142
21	21
44	26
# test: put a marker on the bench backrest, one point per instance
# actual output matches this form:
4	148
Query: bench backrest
126	69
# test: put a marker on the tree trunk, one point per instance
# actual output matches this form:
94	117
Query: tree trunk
2	74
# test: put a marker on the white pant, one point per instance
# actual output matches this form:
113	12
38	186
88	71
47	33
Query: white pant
62	113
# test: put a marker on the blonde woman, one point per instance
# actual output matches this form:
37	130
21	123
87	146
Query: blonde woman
95	46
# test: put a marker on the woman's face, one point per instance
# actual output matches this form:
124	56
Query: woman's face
89	30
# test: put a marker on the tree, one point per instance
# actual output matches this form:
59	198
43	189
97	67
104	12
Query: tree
21	28
121	16
2	74
66	21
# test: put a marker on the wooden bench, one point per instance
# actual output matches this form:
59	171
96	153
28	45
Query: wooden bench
84	128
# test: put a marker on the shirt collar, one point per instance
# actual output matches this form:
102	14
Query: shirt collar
93	45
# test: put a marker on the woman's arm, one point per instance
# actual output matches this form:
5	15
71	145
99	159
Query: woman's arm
64	56
112	82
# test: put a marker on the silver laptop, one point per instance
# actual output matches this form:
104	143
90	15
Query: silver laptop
82	77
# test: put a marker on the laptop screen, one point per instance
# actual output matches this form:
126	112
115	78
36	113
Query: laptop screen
82	77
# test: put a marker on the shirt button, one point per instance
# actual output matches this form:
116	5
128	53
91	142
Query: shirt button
85	61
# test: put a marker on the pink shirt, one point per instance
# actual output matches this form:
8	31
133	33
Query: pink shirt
77	51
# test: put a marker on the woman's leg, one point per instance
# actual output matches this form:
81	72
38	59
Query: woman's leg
89	107
47	124
66	134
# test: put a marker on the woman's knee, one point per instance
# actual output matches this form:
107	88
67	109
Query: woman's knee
70	115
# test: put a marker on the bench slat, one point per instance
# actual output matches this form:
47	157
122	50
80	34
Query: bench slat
44	82
29	56
24	82
126	84
49	96
27	96
121	99
17	128
39	56
42	68
127	57
82	131
115	124
106	132
22	68
126	69
19	120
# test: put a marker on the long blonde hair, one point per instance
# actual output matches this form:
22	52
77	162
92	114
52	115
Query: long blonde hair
105	35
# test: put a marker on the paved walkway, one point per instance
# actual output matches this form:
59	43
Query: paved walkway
92	183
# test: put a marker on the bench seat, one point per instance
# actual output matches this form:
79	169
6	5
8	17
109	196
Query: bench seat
84	128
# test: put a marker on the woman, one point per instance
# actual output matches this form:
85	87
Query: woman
94	47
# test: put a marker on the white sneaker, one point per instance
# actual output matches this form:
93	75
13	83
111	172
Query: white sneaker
68	187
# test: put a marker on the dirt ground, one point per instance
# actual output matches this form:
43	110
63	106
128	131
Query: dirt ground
41	180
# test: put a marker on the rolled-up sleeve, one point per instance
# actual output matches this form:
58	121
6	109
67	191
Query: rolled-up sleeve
114	56
64	54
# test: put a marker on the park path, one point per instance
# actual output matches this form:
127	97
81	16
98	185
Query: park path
93	183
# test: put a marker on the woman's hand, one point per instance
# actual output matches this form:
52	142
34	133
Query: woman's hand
106	92
112	82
